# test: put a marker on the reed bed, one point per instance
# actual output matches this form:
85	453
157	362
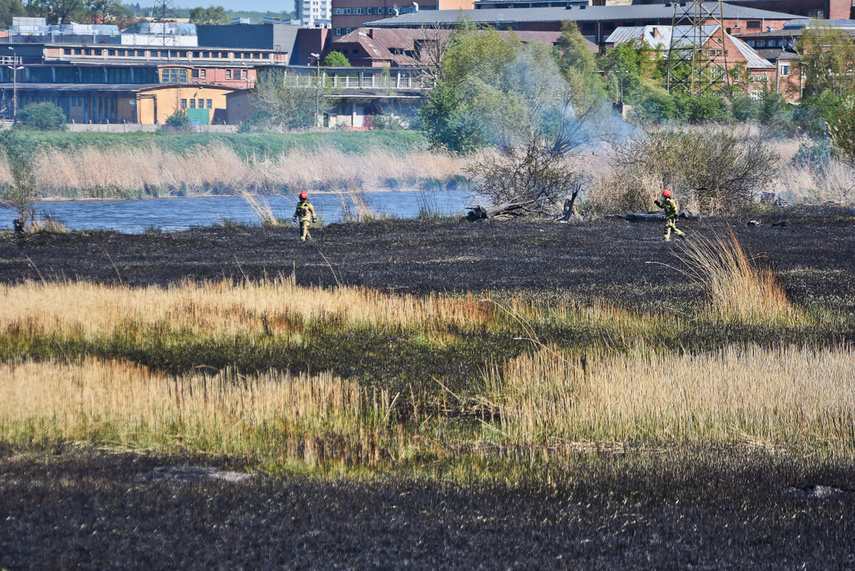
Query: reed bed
790	396
120	172
270	416
276	306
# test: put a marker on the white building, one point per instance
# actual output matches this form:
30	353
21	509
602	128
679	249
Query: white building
314	13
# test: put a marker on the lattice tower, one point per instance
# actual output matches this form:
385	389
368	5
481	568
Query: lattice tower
164	13
698	51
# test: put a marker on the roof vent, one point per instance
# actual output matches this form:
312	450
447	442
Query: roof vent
568	7
583	6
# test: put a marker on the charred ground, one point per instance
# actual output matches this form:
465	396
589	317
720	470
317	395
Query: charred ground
62	508
625	263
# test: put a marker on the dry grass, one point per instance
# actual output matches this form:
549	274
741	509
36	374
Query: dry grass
376	168
106	172
737	288
833	182
126	171
262	417
785	396
224	308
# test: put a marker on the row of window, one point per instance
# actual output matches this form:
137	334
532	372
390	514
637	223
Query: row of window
179	75
194	105
164	53
774	43
373	10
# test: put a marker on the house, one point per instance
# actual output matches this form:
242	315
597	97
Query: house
406	47
755	74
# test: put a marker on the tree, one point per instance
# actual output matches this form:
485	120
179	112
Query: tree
100	9
288	101
56	11
842	130
10	9
41	117
336	59
212	15
21	195
826	57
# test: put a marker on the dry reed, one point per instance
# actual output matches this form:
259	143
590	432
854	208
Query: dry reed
737	288
124	171
224	308
267	416
784	396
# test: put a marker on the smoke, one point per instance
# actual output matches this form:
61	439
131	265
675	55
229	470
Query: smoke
529	99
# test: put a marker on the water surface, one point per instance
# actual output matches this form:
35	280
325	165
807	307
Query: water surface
182	213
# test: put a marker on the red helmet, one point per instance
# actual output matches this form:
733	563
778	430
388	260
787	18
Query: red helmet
666	193
304	196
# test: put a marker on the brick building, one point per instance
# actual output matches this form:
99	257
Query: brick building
595	22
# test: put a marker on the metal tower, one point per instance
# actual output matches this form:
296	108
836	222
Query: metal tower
698	52
164	14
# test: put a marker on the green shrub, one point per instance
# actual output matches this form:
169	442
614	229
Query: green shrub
178	121
813	155
41	117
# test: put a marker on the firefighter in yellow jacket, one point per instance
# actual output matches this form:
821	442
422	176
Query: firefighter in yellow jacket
671	208
304	214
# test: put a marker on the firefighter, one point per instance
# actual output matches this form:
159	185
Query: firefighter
669	205
304	213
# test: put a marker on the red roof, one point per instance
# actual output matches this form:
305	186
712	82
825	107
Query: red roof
400	47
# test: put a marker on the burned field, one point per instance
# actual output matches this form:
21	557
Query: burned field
446	461
625	263
108	510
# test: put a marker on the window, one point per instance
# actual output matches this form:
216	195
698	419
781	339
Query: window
183	104
111	52
173	76
753	24
756	95
348	11
228	74
201	104
210	106
244	74
338	31
588	27
192	104
785	70
360	11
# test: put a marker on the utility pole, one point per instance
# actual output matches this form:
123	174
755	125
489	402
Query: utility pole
14	67
318	121
697	52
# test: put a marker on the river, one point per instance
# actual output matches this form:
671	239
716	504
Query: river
182	213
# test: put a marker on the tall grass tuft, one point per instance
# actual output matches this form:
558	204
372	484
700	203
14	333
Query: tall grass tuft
791	396
738	289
